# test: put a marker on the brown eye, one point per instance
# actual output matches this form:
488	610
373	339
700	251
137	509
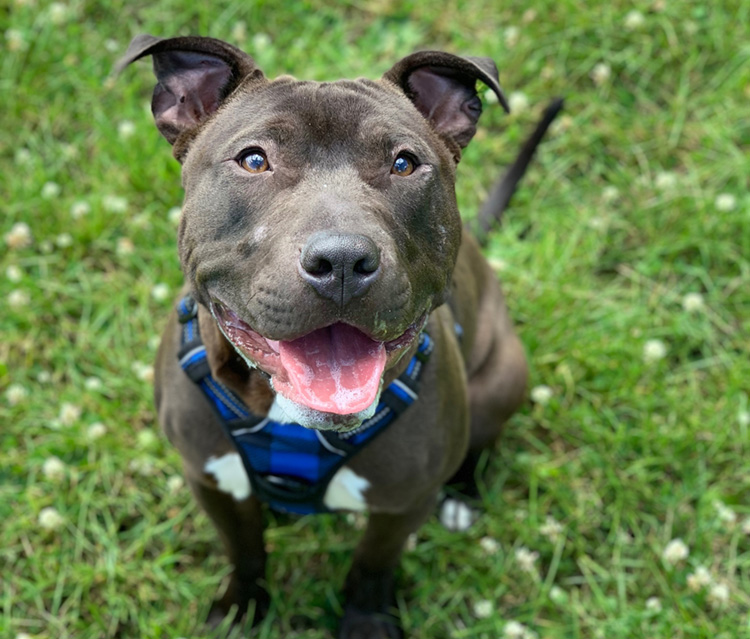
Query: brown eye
403	165
254	161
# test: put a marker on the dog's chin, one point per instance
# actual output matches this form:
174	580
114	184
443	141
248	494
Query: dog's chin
287	411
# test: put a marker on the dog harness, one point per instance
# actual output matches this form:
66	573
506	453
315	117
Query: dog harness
290	466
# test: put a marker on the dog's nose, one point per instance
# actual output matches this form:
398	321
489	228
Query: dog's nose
339	266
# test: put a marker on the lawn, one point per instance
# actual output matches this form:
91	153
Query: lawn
617	505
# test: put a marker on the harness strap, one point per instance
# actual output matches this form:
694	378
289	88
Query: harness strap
290	466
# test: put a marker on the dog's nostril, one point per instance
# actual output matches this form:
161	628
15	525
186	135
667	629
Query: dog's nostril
319	267
366	265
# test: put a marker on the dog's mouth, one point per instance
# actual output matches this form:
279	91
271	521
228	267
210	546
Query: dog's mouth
336	369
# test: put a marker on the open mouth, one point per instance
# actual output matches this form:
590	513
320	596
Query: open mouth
335	369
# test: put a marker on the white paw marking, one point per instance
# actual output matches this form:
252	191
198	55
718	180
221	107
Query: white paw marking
230	475
346	491
456	515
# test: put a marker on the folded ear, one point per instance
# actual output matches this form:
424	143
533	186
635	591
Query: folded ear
443	88
194	76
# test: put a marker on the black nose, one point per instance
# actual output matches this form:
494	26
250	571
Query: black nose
339	266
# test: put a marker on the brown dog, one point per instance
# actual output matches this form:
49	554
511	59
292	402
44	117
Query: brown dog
319	240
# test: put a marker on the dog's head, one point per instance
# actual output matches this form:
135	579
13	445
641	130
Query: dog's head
320	224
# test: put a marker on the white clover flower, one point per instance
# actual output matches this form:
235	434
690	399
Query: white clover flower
518	102
693	302
675	551
160	292
699	579
653	604
497	264
79	209
610	193
746	526
53	468
15	39
512	35
19	236
489	545
558	595
18	298
125	129
69	414
174	214
528	16
44	377
15	394
153	342
552	529
514	630
743	418
46	247
64	240
483	609
562	124
22	157
14	273
601	73
112	45
147	439
24	635
718	595
124	246
93	384
261	41
50	518
725	514
725	202
634	20
51	190
541	394
665	180
96	431
598	223
239	32
144	372
654	350
175	484
57	13
69	151
143	465
526	559
115	204
659	5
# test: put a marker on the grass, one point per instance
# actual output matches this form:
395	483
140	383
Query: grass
637	200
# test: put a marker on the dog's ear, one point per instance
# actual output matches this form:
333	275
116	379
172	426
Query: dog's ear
194	76
443	88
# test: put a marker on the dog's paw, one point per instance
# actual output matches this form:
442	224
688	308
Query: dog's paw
456	515
244	606
363	625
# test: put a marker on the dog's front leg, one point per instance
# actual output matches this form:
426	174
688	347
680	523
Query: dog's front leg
240	525
369	588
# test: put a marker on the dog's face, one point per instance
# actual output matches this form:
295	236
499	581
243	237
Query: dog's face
320	224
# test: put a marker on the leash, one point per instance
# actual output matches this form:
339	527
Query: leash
290	466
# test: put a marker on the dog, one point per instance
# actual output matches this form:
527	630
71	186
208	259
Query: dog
340	343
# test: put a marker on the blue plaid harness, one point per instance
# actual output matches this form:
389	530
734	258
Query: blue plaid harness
290	466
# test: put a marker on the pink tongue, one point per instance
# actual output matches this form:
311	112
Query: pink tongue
336	369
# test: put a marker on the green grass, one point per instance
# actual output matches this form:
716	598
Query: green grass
615	223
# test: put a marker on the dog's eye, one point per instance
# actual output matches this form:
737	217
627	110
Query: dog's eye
254	161
403	165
